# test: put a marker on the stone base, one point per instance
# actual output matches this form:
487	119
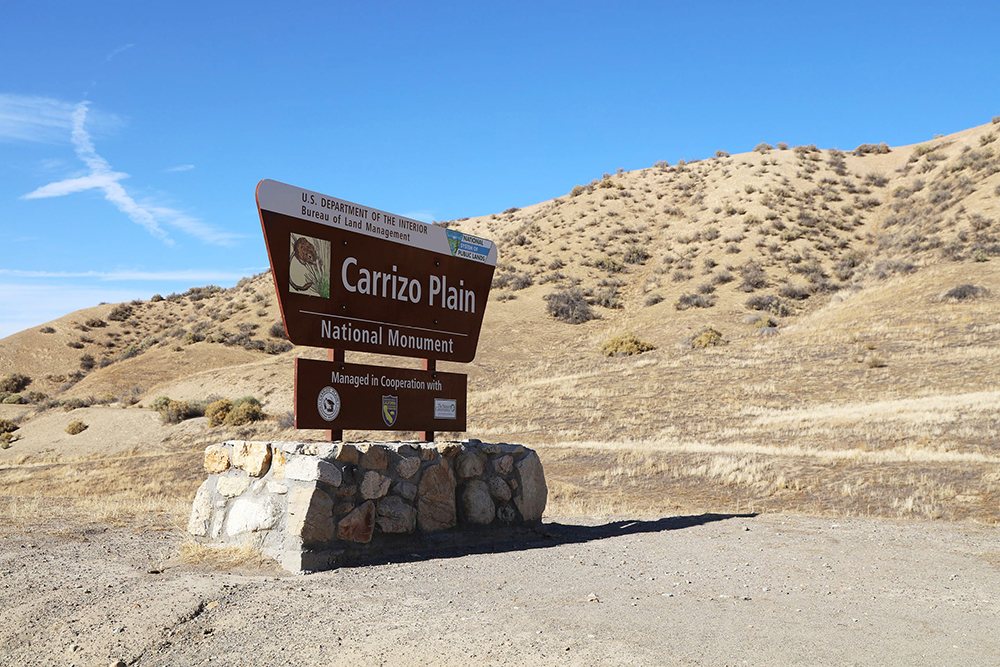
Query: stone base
315	506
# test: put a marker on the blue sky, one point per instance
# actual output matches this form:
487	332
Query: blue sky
132	135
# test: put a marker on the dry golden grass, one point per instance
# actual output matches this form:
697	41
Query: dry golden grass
222	556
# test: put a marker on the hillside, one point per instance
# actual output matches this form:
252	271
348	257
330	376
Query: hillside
851	365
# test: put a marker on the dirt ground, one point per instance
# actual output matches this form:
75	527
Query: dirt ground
685	590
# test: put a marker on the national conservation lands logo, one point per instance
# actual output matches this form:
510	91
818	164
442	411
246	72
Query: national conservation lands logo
328	403
390	409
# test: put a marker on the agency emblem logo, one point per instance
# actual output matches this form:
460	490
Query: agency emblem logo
390	409
328	403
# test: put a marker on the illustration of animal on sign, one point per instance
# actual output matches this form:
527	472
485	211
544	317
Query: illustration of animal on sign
309	266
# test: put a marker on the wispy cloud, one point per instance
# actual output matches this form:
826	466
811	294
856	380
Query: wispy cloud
194	275
35	119
422	216
180	167
120	49
104	178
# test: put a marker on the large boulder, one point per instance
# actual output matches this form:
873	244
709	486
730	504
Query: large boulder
436	499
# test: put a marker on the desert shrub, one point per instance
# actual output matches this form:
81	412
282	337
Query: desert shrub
607	297
14	399
625	345
721	153
46	330
965	292
864	149
875	361
653	299
244	413
722	277
160	403
76	426
753	277
6	439
769	303
7	425
635	254
192	337
519	281
707	337
782	146
120	313
287	420
217	411
694	301
610	264
35	397
156	298
246	399
13	383
577	191
277	330
96	323
277	347
175	412
76	345
996	120
706	288
885	268
87	362
763	147
794	292
569	305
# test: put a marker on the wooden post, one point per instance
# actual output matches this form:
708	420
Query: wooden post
427	365
335	355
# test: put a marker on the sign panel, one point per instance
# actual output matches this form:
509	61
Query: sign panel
337	395
356	278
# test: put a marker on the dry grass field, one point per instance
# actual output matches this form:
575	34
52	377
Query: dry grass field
825	329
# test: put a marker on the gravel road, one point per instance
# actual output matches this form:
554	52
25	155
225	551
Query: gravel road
697	590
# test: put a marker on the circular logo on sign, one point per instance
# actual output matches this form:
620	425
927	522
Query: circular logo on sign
328	403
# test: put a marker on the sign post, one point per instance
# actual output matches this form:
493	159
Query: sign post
351	277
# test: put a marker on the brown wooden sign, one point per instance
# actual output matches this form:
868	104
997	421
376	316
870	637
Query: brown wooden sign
356	278
338	395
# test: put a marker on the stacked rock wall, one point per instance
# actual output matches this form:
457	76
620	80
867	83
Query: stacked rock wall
312	506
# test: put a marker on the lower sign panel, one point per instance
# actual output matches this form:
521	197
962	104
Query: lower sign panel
337	395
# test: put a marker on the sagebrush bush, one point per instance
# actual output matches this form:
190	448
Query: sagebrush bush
769	303
635	254
754	277
625	345
707	337
8	425
96	323
75	427
653	299
965	292
277	330
46	330
763	147
13	383
175	412
120	313
569	305
244	413
14	399
694	301
217	411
